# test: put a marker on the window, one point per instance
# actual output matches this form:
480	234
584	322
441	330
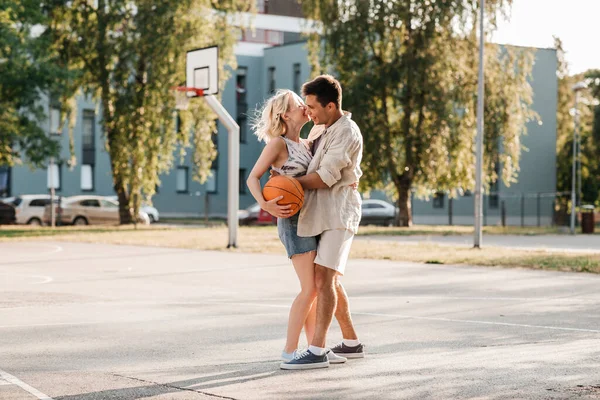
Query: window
211	182
109	204
55	127
438	200
242	122
271	79
182	179
39	202
4	181
54	173
242	181
89	203
87	177
240	86
297	78
89	118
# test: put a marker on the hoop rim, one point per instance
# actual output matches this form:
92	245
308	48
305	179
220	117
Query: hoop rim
196	91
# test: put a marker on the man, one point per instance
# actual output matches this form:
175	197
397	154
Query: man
332	210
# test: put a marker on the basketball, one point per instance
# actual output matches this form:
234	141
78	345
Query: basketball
289	188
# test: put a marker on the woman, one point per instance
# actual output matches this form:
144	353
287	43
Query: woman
279	125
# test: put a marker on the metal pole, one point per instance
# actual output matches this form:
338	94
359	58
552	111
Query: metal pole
52	184
573	169
233	166
479	140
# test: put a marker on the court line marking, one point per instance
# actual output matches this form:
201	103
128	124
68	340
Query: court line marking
439	319
44	278
16	381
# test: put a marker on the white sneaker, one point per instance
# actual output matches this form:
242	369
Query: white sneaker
334	358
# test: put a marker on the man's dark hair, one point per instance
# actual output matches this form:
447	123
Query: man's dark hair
326	88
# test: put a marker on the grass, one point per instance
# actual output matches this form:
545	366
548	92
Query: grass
265	240
444	230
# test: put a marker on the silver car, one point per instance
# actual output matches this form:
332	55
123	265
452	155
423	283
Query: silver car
89	210
30	208
378	212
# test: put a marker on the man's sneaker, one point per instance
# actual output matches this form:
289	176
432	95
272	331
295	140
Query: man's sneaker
349	352
334	358
285	357
306	360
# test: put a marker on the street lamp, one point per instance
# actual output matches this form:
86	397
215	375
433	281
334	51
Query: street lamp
578	87
479	140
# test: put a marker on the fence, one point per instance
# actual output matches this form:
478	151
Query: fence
514	209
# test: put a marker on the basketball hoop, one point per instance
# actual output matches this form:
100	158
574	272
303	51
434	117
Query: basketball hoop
184	94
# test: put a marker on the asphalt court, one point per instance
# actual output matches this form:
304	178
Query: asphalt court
95	321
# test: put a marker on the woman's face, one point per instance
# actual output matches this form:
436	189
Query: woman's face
297	111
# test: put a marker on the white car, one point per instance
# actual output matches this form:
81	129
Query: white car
151	211
29	208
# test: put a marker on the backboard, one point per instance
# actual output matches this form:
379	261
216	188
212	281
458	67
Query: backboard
202	71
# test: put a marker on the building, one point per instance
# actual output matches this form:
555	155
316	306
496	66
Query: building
273	56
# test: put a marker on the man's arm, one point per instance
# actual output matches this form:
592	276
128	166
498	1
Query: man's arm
312	181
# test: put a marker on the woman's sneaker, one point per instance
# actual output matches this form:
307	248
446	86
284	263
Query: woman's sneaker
334	358
348	351
306	360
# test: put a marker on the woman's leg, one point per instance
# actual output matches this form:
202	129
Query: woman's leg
305	269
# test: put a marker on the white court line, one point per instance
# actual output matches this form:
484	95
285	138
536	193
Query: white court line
43	278
465	321
16	381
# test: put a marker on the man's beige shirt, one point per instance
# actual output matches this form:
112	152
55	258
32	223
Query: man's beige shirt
337	161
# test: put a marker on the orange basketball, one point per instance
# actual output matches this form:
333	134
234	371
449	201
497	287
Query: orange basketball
289	188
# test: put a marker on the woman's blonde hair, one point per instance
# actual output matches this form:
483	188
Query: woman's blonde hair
268	123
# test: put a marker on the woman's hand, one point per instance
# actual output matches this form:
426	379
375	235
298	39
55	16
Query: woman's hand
275	209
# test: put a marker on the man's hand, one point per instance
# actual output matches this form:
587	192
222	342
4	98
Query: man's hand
275	209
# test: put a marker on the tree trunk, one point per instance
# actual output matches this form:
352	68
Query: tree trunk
404	201
124	212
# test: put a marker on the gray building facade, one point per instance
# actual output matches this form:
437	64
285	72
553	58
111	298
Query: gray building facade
286	66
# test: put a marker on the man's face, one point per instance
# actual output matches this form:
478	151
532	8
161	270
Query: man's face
317	113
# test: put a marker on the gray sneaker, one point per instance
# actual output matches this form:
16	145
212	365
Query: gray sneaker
334	358
349	352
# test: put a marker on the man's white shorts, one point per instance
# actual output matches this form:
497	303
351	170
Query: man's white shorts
334	248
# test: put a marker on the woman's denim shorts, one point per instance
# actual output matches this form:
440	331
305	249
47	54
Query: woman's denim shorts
288	234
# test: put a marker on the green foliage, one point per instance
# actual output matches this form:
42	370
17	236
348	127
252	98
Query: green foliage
409	74
28	70
130	54
589	129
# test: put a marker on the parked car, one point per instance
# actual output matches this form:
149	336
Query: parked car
88	210
254	215
30	208
148	209
378	212
7	213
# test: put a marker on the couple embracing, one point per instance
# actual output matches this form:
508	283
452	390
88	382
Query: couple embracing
319	237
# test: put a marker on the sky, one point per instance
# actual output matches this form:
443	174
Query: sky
534	22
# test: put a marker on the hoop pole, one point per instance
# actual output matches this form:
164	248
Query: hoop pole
233	165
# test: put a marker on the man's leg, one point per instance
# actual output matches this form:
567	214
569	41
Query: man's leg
326	301
342	312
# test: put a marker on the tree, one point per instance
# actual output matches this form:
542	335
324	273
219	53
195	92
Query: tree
131	53
588	129
409	74
28	68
